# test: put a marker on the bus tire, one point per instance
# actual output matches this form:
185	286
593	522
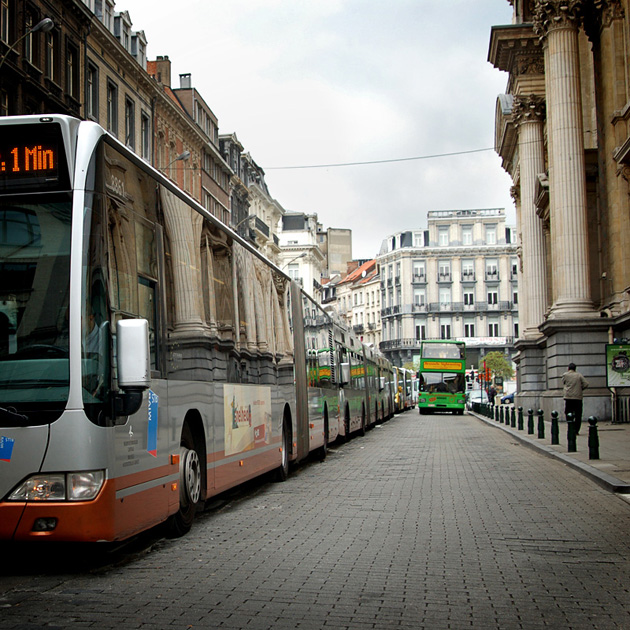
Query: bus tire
282	472
190	480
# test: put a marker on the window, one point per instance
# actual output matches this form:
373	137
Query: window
493	329
468	270
445	330
130	126
72	71
91	96
469	329
51	58
516	329
112	108
445	298
514	268
4	21
419	297
493	297
492	269
421	331
29	22
467	235
491	234
469	298
444	270
443	236
145	136
418	270
418	239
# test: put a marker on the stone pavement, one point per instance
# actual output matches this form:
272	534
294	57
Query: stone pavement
611	470
427	522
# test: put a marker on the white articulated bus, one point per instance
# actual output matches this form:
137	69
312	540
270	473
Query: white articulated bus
149	358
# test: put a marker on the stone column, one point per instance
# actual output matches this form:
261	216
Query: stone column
528	116
557	21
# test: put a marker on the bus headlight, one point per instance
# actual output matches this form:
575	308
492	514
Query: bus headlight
74	486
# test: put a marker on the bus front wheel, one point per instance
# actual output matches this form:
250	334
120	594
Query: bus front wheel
189	485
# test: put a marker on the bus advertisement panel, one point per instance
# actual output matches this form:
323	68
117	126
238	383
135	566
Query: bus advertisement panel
442	376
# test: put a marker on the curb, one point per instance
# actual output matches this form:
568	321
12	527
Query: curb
601	478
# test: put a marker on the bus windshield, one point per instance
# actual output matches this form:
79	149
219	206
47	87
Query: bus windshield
34	291
442	382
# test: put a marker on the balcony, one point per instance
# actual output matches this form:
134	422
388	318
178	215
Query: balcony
492	276
468	276
358	329
419	278
445	277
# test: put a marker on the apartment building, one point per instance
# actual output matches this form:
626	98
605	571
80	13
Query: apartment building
456	279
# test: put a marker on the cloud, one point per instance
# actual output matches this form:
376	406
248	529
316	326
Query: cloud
306	83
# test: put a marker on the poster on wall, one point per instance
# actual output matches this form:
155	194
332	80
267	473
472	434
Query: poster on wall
618	365
247	416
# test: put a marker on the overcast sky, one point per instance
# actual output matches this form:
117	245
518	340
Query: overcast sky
326	82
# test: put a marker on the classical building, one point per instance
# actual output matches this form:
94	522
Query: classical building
300	256
563	133
457	279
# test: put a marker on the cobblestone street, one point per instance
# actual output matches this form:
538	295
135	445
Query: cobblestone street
426	522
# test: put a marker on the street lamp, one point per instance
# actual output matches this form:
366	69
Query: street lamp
302	255
44	26
182	157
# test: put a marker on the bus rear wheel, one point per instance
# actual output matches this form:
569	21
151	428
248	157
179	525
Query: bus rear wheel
282	472
190	478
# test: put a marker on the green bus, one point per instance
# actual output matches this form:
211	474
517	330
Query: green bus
442	376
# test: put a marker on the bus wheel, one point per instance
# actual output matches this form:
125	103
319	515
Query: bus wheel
362	429
282	472
189	485
323	450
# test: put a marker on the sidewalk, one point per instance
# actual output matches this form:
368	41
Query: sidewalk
611	470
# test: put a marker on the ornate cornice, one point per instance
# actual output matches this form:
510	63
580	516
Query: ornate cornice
550	15
529	108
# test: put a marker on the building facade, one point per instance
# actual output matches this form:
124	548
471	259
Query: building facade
563	132
457	279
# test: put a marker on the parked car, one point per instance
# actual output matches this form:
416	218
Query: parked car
508	399
476	396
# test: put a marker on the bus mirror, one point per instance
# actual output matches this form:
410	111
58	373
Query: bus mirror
132	343
345	373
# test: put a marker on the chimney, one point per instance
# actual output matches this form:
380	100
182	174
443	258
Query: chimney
163	70
185	81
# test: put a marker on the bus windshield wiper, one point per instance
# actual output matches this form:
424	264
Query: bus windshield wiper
12	414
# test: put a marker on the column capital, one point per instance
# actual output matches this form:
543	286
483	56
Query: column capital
550	15
530	108
600	14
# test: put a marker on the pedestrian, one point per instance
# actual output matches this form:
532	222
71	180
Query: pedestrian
574	386
492	394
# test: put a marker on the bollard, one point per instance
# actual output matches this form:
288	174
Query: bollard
555	428
496	413
530	422
520	418
513	420
541	424
571	437
593	438
501	413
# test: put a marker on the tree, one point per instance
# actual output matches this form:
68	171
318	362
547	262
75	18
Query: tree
498	364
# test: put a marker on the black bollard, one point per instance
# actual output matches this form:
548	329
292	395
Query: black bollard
501	413
593	438
530	422
496	413
541	424
520	418
513	419
571	437
555	428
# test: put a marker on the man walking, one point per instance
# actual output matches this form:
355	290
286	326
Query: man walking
574	386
